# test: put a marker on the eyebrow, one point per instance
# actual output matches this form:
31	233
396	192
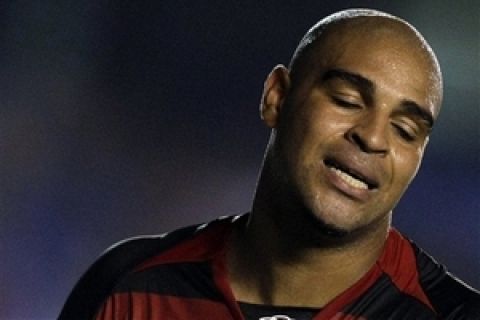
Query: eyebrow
367	89
413	108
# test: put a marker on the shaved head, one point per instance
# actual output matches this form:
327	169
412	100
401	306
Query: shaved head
327	39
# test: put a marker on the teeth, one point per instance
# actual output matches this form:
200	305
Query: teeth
354	182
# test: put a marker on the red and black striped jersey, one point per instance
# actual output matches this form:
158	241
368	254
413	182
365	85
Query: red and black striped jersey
182	275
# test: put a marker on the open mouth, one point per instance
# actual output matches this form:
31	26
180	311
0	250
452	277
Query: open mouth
350	177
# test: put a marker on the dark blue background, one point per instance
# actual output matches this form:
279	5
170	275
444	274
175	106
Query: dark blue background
121	118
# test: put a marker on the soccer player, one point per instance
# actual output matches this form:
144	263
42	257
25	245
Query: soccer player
350	119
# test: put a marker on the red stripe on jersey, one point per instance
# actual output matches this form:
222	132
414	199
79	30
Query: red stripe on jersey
148	306
220	274
331	310
400	263
342	316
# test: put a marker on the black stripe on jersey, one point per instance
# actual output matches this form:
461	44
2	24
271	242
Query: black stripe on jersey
447	294
186	280
385	301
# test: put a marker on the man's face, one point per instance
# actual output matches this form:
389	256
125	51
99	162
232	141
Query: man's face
353	130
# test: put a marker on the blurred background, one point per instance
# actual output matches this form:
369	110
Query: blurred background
121	118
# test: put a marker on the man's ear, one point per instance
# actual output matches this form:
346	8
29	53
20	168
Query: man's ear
275	90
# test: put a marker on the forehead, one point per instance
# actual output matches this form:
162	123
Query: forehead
389	53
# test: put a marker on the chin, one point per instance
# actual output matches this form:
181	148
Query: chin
331	230
316	229
326	225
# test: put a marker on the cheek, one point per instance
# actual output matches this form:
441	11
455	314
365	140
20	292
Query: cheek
406	165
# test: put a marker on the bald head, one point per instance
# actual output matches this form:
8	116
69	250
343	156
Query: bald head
357	29
362	92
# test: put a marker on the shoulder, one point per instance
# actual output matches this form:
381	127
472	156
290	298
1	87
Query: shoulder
122	258
450	297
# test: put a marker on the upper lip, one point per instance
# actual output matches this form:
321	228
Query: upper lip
356	168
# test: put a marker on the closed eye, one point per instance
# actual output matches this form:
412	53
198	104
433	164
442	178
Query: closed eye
406	134
345	103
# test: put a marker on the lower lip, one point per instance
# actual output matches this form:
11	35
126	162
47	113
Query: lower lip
345	188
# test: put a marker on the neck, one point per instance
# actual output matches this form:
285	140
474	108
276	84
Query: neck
273	261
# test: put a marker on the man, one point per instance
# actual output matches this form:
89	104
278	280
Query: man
350	120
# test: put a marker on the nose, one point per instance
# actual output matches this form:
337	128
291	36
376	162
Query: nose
370	134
